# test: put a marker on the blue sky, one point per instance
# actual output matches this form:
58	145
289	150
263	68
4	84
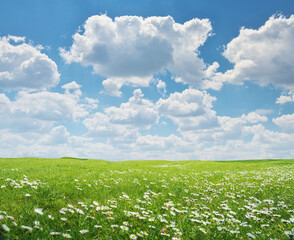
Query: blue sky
171	80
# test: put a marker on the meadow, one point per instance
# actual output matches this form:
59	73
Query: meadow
96	199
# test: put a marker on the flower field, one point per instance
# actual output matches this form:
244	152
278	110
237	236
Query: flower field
95	199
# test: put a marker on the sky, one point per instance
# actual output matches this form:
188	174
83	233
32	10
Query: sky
129	80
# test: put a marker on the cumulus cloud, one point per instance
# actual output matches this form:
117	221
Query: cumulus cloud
23	66
190	109
137	111
285	98
125	120
131	49
264	56
58	135
40	110
254	117
285	122
156	143
161	87
190	102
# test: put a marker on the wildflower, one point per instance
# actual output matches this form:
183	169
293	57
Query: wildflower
39	211
140	234
63	219
66	235
132	236
79	211
151	226
27	195
84	231
97	226
55	233
1	217
27	228
62	212
164	234
50	217
5	227
125	228
202	230
250	235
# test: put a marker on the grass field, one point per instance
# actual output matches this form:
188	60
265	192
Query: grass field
95	199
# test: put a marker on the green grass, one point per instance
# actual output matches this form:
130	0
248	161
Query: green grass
182	199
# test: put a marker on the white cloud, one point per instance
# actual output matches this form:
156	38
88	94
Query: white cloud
58	135
112	85
138	112
131	49
254	117
161	87
171	143
264	56
285	122
23	66
286	98
38	111
121	124
190	102
190	109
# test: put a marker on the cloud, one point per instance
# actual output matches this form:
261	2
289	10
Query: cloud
123	121
161	87
138	112
58	135
190	109
38	111
23	66
112	85
254	117
285	98
131	49
190	102
263	56
285	122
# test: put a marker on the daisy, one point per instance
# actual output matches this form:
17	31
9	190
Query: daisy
125	228
55	233
5	227
39	211
66	235
26	227
250	235
84	231
132	236
164	234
